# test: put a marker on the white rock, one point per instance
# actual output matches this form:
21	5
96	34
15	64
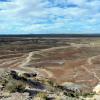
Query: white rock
97	89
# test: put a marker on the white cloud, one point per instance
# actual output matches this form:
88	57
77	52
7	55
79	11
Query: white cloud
30	16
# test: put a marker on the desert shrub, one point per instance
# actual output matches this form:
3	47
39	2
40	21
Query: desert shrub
70	93
15	86
5	78
88	95
48	82
42	95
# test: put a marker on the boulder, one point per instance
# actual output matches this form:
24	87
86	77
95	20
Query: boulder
78	88
97	89
29	75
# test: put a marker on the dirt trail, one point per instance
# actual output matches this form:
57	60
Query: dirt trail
27	60
91	72
11	62
30	56
49	73
89	62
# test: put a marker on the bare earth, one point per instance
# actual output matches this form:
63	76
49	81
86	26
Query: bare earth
69	61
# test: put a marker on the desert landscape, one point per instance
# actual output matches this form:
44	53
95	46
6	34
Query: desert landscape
62	60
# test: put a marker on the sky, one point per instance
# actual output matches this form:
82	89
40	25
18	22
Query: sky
49	16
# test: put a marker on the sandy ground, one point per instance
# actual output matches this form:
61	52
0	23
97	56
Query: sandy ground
78	64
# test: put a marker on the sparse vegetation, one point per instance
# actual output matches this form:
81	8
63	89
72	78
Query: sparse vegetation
15	86
70	60
13	83
42	96
10	83
88	95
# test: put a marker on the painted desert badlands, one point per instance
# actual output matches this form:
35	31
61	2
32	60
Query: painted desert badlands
70	62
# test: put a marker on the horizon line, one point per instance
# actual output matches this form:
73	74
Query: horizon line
51	35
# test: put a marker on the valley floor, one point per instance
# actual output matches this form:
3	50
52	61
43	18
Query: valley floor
64	60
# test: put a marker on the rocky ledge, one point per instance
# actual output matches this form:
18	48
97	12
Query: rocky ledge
28	86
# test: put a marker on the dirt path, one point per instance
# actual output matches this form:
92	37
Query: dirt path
31	54
26	61
89	61
49	73
91	72
11	62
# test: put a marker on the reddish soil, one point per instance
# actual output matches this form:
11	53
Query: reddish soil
78	64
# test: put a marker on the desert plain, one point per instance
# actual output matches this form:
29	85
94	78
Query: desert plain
75	60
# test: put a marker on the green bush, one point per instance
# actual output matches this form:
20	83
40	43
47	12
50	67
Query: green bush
88	95
7	76
42	96
15	86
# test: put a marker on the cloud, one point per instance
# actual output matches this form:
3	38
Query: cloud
49	16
